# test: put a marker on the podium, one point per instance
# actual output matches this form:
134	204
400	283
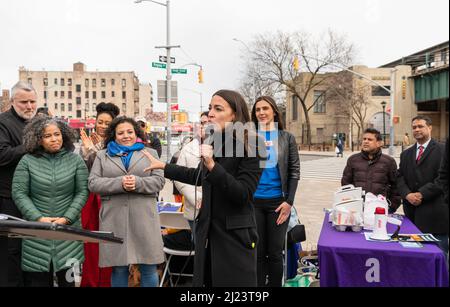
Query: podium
20	229
47	231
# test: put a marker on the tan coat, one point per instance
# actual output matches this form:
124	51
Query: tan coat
132	216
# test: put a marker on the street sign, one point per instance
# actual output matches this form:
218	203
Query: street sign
162	91
163	59
175	107
179	71
159	65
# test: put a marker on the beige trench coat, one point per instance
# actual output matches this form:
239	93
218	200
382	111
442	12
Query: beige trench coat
132	216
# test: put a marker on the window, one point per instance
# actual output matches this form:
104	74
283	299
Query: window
124	82
78	100
124	108
380	92
86	82
103	82
320	135
113	94
69	94
45	81
78	88
69	82
124	95
94	107
320	105
431	106
62	82
62	94
63	107
56	81
86	95
103	95
78	113
113	82
294	108
444	56
70	107
45	94
56	93
86	107
94	82
94	95
56	106
30	81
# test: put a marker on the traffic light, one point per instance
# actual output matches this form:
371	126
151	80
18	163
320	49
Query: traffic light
200	75
296	63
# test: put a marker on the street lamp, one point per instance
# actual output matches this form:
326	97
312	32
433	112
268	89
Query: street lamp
198	93
383	104
168	48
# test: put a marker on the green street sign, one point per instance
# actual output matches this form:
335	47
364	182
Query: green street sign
159	65
179	71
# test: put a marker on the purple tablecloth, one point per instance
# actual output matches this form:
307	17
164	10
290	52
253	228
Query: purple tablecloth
347	259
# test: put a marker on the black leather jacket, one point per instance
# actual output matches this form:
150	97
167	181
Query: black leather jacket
288	165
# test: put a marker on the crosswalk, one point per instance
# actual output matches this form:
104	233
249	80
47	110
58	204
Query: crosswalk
329	168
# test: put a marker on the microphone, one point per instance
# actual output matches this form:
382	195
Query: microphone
209	135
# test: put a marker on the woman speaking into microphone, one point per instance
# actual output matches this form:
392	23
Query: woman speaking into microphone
226	236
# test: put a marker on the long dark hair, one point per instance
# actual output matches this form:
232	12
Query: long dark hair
241	114
111	133
237	103
277	114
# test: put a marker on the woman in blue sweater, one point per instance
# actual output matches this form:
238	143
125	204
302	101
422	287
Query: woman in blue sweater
275	194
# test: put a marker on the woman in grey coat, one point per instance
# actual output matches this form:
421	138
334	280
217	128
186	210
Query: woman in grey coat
129	206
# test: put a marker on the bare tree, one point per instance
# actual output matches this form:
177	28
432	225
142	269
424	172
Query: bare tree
271	56
351	97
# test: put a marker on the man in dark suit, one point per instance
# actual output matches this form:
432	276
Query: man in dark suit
423	198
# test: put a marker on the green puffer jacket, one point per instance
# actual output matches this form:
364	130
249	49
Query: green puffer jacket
51	186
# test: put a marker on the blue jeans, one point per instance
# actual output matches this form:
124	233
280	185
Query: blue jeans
149	276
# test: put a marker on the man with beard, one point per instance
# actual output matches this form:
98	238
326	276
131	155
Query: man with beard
12	123
423	198
372	170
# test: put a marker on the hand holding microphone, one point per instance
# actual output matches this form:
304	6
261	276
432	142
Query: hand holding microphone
207	149
207	154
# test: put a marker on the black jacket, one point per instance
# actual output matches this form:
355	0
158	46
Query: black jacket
288	165
443	173
377	176
226	235
432	216
11	148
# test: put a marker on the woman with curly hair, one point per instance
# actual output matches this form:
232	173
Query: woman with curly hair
128	204
92	275
50	186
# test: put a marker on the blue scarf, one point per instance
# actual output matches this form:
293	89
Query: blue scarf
124	152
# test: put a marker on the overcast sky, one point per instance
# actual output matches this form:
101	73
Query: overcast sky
109	35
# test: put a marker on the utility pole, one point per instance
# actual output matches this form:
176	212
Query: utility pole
392	92
168	48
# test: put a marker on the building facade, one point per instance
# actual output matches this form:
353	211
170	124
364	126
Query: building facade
429	83
5	101
420	87
75	94
145	99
